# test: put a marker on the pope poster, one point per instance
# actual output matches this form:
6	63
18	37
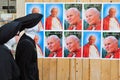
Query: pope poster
77	30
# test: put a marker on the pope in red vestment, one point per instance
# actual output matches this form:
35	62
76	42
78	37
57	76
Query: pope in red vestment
106	22
90	49
86	49
93	19
76	27
96	27
57	53
111	20
53	44
76	53
73	18
116	54
48	23
52	21
73	46
111	46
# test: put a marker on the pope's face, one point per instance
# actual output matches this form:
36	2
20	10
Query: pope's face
110	45
92	40
112	12
36	39
91	17
71	44
54	12
35	10
52	44
71	17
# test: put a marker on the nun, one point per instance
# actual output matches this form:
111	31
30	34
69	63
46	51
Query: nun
26	55
8	68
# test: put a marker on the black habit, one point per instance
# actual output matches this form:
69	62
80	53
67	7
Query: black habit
26	58
8	68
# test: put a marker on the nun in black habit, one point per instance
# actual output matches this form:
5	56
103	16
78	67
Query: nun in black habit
26	55
8	68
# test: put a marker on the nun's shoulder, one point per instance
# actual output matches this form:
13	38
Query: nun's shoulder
25	42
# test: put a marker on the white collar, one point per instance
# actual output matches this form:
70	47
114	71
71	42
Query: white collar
30	35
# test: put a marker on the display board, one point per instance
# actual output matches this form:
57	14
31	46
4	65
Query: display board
78	30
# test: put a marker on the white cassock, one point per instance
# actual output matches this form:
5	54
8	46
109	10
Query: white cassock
39	51
113	24
56	25
93	52
40	26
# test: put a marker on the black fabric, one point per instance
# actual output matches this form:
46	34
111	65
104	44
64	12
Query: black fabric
30	20
8	68
9	30
26	59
